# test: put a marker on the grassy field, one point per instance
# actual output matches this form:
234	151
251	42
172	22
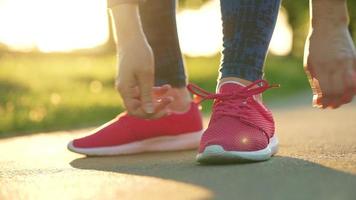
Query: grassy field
56	92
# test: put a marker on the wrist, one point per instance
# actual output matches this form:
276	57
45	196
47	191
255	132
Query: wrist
329	13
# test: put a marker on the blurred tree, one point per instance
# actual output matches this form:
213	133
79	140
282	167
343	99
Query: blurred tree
191	3
352	12
298	14
3	48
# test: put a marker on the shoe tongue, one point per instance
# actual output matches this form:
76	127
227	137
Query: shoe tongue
229	87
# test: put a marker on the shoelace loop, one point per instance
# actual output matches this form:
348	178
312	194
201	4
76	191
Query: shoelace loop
230	108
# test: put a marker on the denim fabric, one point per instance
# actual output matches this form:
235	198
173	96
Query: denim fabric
247	28
159	24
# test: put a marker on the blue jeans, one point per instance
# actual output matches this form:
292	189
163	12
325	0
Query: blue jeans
247	28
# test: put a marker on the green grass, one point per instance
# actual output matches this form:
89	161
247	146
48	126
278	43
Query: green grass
56	92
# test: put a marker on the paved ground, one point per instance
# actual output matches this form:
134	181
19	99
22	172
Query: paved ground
317	160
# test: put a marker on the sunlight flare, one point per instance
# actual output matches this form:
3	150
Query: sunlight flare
53	25
65	25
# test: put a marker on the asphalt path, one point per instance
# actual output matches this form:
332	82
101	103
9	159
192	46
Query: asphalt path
316	160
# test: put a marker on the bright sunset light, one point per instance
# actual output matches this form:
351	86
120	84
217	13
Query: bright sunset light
67	25
282	39
53	25
200	31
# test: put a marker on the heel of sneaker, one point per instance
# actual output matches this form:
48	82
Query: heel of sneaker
172	143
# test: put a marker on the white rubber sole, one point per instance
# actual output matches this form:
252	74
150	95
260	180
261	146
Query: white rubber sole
217	154
165	143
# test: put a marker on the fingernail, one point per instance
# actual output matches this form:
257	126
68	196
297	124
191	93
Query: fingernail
149	108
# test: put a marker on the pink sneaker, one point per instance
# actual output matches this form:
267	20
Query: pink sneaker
241	128
128	135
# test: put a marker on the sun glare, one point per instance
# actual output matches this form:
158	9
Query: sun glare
53	25
200	31
67	25
282	39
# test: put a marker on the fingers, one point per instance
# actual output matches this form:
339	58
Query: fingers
129	92
145	81
133	104
133	107
161	90
337	88
163	103
159	111
314	84
342	84
327	90
349	79
317	94
333	89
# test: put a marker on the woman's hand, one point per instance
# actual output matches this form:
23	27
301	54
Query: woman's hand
330	57
136	66
135	82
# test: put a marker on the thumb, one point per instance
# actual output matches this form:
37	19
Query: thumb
146	80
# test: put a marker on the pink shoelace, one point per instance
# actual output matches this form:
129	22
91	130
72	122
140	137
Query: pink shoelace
235	103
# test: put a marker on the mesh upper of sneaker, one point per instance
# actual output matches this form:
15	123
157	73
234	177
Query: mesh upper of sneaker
126	129
239	122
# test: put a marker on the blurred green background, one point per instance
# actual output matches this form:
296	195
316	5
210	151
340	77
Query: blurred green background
58	91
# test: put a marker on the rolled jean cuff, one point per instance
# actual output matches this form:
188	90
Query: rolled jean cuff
243	72
112	3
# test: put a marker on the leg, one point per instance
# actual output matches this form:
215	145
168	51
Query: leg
241	128
247	27
159	24
127	134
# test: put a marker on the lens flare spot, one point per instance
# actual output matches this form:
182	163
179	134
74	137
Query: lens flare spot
244	140
37	114
95	87
9	107
55	99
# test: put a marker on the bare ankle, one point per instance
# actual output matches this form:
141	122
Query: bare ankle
239	80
